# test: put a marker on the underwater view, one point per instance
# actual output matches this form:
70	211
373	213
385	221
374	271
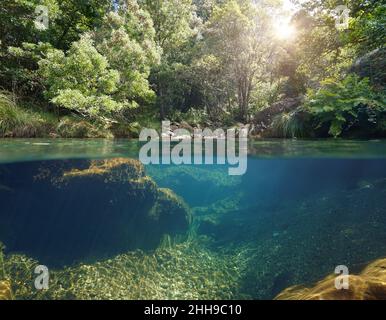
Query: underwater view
104	226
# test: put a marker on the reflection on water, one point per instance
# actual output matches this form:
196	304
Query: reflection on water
109	228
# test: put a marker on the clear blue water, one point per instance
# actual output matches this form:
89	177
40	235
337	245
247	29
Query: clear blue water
302	208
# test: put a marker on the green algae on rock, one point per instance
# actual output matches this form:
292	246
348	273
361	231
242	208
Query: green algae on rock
5	290
170	210
123	210
111	170
370	284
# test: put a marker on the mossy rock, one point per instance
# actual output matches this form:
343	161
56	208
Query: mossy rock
170	212
88	209
77	128
126	130
5	290
370	284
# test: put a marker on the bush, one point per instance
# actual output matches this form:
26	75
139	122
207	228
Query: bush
340	105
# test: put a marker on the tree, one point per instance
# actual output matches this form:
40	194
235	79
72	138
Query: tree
176	27
204	8
173	21
238	36
120	53
126	39
367	28
82	80
68	20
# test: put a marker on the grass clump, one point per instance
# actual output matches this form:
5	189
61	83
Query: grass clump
288	125
16	122
21	122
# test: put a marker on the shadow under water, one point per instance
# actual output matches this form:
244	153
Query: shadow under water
62	212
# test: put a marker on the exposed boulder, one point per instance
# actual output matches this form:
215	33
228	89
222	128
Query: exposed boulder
372	66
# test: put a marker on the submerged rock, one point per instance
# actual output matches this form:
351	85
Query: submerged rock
64	212
170	212
370	284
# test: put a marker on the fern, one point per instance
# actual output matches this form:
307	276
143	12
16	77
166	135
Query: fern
338	103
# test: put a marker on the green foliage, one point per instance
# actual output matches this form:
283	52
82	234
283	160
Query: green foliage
136	61
176	26
214	86
367	28
174	85
74	18
317	51
105	73
19	71
18	20
81	80
338	104
126	40
238	24
322	51
265	94
68	20
172	21
127	130
194	117
9	116
17	121
204	8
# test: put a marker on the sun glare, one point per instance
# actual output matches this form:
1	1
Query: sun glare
285	31
282	27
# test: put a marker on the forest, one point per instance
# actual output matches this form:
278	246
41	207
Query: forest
107	69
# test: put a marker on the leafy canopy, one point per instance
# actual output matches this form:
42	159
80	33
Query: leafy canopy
81	80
